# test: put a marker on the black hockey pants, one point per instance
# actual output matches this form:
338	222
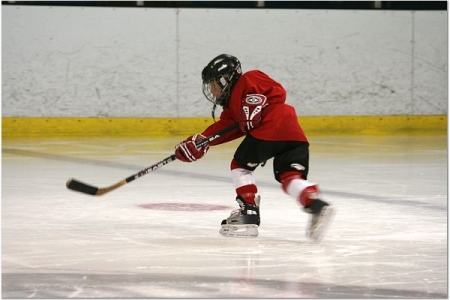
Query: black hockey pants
287	155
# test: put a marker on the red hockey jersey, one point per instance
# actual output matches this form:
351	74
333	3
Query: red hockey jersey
279	120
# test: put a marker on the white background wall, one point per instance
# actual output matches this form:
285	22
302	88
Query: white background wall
146	62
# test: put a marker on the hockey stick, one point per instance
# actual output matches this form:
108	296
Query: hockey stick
85	188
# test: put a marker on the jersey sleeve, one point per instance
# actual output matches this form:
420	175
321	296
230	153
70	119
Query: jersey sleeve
224	121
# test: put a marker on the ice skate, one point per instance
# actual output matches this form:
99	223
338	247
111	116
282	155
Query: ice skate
321	216
243	222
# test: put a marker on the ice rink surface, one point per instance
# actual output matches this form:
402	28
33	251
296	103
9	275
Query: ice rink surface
157	237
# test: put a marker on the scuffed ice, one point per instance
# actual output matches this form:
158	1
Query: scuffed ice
388	239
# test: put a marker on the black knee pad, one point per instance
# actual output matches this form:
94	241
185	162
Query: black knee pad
296	159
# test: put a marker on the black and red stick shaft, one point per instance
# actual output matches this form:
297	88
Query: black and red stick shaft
78	186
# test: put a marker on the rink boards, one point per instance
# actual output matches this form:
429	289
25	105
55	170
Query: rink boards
166	127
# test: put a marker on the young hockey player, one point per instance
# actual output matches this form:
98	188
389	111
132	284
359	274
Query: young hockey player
271	129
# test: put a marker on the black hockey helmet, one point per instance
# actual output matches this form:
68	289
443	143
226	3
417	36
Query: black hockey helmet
225	70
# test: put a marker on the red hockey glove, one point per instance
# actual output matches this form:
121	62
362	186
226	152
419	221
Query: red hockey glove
251	114
187	151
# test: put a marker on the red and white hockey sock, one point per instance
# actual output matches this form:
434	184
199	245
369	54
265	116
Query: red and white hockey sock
300	189
248	193
244	182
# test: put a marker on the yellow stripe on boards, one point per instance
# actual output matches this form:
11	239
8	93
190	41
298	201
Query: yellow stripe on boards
161	127
374	125
101	127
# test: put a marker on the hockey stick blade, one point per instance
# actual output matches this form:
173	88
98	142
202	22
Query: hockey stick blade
78	186
82	187
85	188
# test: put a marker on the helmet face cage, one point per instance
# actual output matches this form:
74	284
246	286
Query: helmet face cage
207	92
224	70
224	86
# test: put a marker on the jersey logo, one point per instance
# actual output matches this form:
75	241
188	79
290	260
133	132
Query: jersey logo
255	99
298	167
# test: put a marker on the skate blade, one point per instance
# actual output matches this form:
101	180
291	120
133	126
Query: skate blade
327	216
244	231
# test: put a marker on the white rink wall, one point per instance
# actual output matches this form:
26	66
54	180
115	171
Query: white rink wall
146	62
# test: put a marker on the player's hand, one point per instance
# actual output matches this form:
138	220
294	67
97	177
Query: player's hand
251	114
187	151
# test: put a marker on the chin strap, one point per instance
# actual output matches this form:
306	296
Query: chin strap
213	112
